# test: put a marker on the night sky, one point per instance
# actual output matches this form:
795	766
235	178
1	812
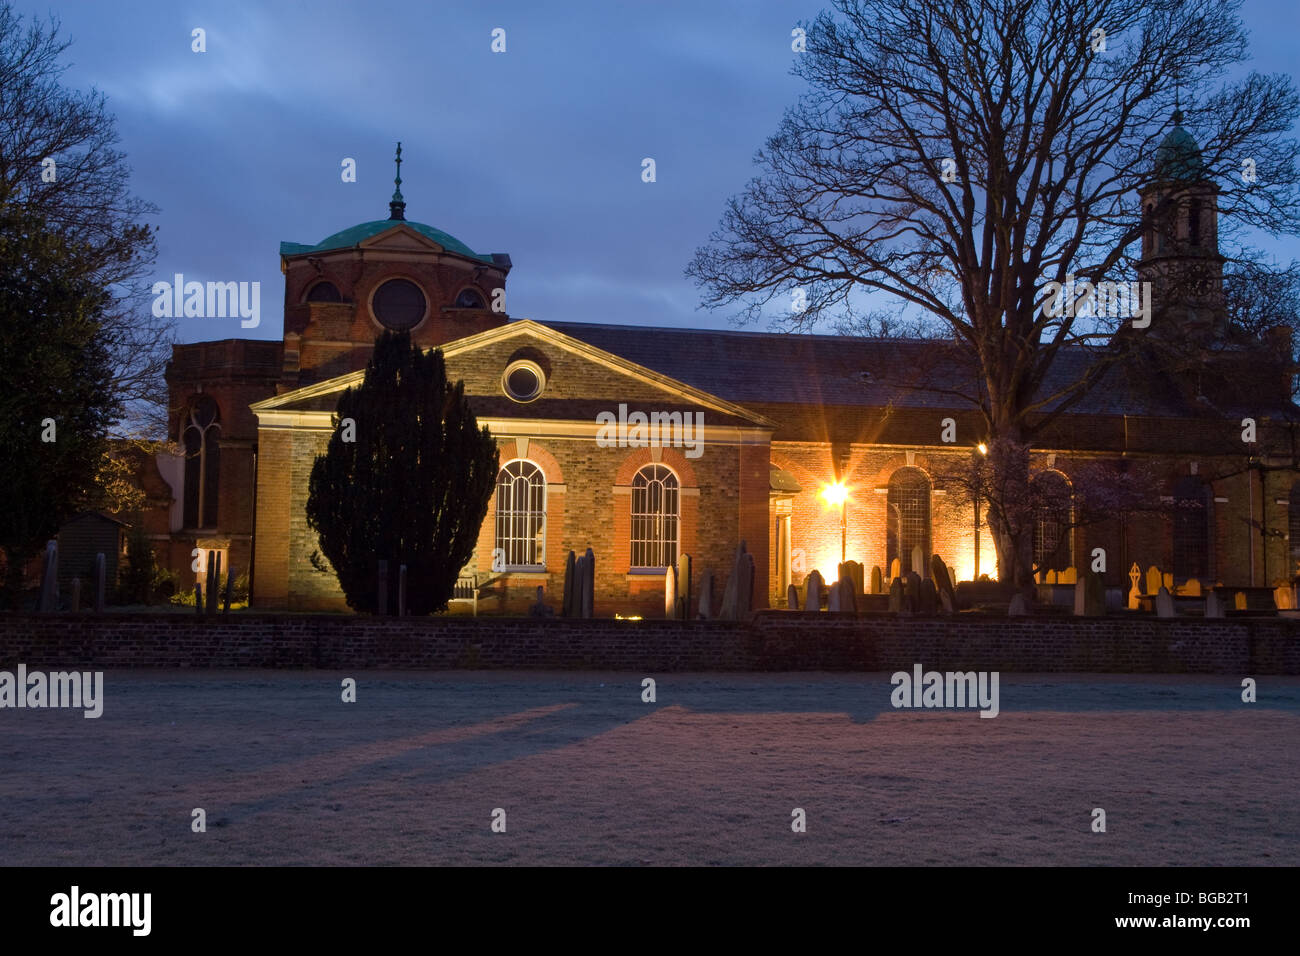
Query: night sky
535	152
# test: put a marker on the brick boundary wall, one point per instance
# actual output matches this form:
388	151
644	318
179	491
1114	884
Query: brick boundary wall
771	641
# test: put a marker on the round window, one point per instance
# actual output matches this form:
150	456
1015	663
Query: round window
523	381
398	304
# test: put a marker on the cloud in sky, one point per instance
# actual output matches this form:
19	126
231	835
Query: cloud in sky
535	152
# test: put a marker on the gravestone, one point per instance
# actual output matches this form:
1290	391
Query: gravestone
1068	576
1213	605
684	595
706	595
1017	607
849	599
851	573
1284	598
732	596
570	583
588	583
1089	596
895	569
945	602
50	578
1154	581
214	581
538	608
1191	589
1049	577
670	593
792	598
1135	592
943	578
929	604
1167	581
834	597
877	583
896	596
812	591
1165	603
918	560
1239	600
912	591
99	583
230	586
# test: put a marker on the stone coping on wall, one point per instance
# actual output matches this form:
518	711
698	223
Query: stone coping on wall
769	641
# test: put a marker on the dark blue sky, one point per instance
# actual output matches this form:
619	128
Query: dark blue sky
536	152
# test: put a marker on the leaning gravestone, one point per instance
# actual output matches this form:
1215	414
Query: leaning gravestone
792	598
918	560
945	602
942	578
877	584
1165	603
812	591
896	596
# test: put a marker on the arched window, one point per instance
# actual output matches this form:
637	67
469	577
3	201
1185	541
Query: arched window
470	299
1191	529
1293	529
654	517
200	434
521	515
909	518
1052	525
324	292
1194	222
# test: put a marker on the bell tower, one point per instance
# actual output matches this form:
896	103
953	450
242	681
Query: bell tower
1180	241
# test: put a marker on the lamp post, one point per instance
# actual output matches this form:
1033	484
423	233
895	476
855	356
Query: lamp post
983	450
837	494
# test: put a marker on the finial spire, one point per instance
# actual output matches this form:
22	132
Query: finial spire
397	207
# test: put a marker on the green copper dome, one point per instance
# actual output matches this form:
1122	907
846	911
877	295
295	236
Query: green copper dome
1178	158
351	237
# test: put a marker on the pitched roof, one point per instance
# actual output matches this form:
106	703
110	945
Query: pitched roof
765	369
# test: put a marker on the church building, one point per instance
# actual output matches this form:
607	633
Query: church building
755	432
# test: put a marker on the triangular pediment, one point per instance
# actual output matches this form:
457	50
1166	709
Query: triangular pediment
401	238
583	381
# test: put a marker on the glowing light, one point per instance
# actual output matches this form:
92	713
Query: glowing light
627	617
982	448
835	494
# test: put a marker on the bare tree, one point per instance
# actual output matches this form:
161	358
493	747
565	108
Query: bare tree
59	161
957	155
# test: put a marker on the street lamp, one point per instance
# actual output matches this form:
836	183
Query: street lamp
983	450
838	494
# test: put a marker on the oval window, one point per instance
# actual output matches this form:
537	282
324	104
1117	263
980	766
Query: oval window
398	304
523	381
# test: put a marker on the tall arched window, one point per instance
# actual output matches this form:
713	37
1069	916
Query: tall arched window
1293	529
1191	521
521	515
655	517
909	518
1052	525
200	434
